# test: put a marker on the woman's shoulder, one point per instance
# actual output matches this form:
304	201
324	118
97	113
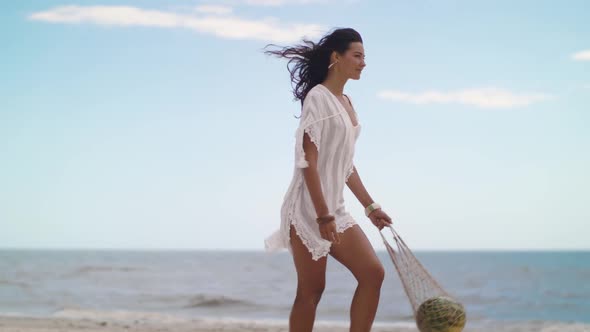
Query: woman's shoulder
315	92
314	96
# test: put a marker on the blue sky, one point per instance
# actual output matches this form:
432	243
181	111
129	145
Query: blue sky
161	124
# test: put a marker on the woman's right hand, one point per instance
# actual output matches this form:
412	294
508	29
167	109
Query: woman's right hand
329	232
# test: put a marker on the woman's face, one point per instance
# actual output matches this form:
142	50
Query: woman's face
352	62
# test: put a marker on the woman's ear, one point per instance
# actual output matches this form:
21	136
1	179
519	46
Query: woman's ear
334	57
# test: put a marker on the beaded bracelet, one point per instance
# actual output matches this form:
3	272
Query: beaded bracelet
325	219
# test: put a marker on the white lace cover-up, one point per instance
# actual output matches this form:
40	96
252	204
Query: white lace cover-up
330	128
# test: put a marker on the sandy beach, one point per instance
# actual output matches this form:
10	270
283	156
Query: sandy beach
124	321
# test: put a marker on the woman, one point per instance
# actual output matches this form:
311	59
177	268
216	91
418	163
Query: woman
314	221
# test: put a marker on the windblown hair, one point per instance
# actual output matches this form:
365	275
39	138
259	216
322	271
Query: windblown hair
308	62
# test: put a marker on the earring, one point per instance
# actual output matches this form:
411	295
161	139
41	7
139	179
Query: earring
333	63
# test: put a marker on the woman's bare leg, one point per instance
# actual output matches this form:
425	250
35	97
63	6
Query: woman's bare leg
357	254
311	281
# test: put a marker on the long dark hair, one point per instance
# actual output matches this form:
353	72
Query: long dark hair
308	62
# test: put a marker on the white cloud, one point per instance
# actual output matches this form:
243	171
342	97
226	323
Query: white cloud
214	9
277	3
281	2
482	97
225	26
265	2
582	55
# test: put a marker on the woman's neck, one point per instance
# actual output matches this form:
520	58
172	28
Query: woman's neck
335	84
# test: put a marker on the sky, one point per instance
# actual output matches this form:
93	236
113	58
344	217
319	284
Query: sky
163	125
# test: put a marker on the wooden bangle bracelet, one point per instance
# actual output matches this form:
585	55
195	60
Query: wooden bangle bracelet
325	219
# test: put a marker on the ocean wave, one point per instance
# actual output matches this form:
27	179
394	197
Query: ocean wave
565	294
204	300
92	269
200	300
19	284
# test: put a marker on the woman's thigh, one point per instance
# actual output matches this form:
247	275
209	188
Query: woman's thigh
356	253
310	273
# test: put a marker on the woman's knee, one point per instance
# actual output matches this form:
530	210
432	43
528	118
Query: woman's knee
310	292
373	275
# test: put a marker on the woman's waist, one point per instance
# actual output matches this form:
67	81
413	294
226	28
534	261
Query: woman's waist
334	201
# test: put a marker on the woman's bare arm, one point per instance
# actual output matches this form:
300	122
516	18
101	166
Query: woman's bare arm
378	217
358	189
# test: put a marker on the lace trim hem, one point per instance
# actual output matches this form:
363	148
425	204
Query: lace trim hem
324	248
349	173
344	226
314	137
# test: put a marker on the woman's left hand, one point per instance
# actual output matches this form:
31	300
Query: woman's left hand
379	218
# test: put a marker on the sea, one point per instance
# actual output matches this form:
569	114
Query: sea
506	290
